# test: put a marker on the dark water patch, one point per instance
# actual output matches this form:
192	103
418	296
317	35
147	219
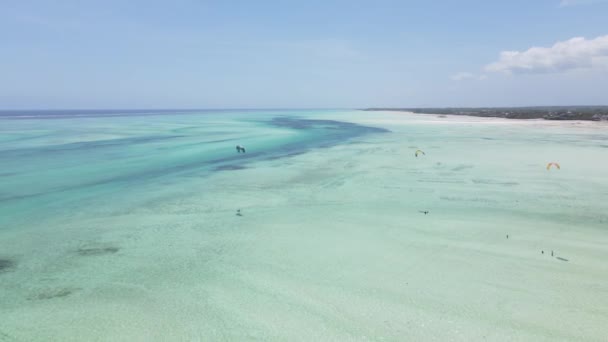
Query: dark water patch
53	293
364	142
330	133
463	199
448	181
211	142
7	265
485	138
196	129
201	143
316	134
286	155
294	123
493	182
306	124
9	197
6	337
94	251
229	167
136	176
313	134
556	197
90	113
462	167
84	146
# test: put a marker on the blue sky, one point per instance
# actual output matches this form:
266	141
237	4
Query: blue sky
302	54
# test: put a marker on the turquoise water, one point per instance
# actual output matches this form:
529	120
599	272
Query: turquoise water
123	226
55	161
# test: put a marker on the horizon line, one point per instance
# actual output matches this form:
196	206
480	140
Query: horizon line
288	108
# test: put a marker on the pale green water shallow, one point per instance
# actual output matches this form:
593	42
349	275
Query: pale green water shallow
140	242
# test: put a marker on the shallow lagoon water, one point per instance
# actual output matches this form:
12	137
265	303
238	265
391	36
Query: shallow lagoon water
123	226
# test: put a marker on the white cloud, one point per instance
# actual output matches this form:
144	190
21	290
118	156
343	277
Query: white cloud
575	53
461	76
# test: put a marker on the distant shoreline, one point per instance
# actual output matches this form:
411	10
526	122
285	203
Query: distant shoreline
587	113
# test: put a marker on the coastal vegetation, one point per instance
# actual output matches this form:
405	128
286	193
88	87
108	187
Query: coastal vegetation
590	113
